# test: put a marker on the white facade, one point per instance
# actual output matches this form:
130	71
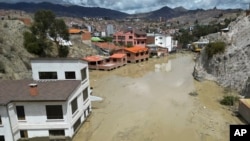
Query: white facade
165	42
5	127
36	122
59	66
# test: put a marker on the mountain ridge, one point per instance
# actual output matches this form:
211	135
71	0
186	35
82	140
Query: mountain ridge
81	11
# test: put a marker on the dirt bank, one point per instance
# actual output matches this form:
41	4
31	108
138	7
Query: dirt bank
151	102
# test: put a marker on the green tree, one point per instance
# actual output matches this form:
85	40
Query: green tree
45	23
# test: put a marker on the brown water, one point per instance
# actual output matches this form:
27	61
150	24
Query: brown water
150	101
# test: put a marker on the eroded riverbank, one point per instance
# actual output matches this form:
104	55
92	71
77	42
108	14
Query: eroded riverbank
150	101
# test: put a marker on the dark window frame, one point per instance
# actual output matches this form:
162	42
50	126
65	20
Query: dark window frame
85	94
48	75
2	138
51	111
77	124
24	134
70	74
1	122
84	73
57	132
74	105
20	112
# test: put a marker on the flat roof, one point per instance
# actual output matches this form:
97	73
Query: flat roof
54	90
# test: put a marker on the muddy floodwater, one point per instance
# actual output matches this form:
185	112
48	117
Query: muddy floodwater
150	101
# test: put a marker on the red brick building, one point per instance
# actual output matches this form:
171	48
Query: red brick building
130	37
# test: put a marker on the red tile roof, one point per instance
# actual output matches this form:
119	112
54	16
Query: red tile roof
118	55
136	49
75	31
86	36
93	58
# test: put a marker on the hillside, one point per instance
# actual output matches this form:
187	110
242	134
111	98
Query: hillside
68	11
15	60
230	69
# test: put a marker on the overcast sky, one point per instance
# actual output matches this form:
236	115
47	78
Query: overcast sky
139	6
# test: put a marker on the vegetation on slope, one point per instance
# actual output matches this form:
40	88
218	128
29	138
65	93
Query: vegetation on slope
36	41
215	48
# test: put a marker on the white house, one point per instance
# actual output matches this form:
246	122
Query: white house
166	41
54	104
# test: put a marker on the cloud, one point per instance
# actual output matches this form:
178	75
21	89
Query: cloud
139	6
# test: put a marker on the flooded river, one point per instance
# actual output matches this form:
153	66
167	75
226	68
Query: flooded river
150	101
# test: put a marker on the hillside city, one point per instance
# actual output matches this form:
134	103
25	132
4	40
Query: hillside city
123	79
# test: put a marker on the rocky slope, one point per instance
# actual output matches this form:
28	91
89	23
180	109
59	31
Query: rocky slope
15	60
232	68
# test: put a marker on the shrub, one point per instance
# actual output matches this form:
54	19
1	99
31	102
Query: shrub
63	51
215	48
193	93
229	100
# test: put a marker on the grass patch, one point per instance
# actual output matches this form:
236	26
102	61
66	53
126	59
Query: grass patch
229	100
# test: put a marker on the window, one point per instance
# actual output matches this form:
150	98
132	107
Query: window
20	113
77	124
84	73
47	75
70	75
24	133
2	138
74	105
128	54
54	112
85	94
56	133
130	37
1	120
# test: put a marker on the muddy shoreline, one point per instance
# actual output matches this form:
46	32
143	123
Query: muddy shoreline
150	101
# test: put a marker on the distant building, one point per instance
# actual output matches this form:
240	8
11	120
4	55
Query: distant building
54	104
164	41
110	30
130	37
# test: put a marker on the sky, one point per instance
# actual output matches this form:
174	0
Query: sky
141	6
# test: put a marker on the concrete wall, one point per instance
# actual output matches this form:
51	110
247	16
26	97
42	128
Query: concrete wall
244	109
5	127
59	66
36	122
82	106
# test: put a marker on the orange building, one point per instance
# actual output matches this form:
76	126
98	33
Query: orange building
135	54
106	63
